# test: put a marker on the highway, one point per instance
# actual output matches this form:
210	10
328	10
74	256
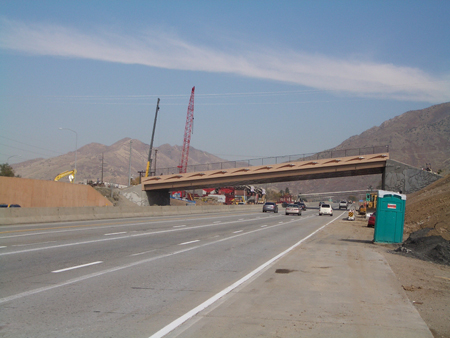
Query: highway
133	277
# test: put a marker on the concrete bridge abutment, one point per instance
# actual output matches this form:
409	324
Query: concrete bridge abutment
406	179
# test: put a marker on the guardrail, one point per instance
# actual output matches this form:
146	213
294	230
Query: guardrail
274	160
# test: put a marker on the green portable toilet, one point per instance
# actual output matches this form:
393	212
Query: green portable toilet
390	217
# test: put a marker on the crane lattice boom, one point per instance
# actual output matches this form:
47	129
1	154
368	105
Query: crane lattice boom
187	133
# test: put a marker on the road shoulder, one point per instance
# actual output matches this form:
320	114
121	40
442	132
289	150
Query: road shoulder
337	284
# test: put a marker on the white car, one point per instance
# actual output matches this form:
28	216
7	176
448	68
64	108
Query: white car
325	209
293	209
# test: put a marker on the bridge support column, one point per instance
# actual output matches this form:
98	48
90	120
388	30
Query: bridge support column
158	197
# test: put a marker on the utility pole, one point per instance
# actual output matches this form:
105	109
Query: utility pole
129	166
149	162
156	153
140	172
102	168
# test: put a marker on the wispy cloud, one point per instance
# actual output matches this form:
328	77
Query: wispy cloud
156	50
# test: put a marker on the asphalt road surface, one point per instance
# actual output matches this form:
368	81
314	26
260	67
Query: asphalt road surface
132	277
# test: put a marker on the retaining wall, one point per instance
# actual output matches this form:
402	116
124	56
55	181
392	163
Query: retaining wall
31	193
407	179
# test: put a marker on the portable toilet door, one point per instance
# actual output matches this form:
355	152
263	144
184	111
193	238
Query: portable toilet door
390	217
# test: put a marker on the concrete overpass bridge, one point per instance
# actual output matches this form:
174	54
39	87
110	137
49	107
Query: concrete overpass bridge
364	161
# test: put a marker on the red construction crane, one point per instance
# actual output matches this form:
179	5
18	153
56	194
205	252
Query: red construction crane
187	134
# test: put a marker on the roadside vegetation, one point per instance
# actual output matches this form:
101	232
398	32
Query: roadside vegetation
7	170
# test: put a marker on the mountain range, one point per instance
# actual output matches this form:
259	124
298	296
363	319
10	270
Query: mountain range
416	138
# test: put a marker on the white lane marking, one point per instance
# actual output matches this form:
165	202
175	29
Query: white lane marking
141	253
216	222
1	247
197	240
236	232
263	226
77	267
177	322
123	237
179	226
241	219
118	268
156	219
116	233
17	245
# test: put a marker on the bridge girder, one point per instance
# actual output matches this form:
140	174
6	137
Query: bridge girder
283	172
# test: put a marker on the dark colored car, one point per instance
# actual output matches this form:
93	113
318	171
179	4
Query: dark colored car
270	206
9	205
302	204
371	222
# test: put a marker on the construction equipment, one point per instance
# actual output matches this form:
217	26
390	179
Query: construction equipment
149	162
370	204
371	199
66	173
187	134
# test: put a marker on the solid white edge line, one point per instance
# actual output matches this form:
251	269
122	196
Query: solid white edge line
177	322
77	267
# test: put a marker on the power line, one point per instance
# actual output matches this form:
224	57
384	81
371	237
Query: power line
28	151
29	145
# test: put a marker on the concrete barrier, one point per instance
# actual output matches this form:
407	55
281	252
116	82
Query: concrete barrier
9	216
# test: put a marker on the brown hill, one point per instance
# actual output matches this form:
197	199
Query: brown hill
416	138
115	161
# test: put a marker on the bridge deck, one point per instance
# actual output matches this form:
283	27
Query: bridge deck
283	172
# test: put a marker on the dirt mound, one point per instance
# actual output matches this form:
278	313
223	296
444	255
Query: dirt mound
430	208
427	221
429	248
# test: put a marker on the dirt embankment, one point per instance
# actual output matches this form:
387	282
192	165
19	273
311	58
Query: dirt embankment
427	222
429	208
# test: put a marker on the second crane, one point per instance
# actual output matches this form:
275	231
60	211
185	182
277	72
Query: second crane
187	134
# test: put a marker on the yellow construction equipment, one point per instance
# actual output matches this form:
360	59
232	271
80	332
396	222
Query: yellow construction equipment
66	173
371	200
370	203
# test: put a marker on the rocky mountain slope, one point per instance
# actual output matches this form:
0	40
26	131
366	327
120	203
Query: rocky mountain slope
116	159
416	138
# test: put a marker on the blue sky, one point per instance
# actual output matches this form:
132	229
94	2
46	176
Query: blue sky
272	77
